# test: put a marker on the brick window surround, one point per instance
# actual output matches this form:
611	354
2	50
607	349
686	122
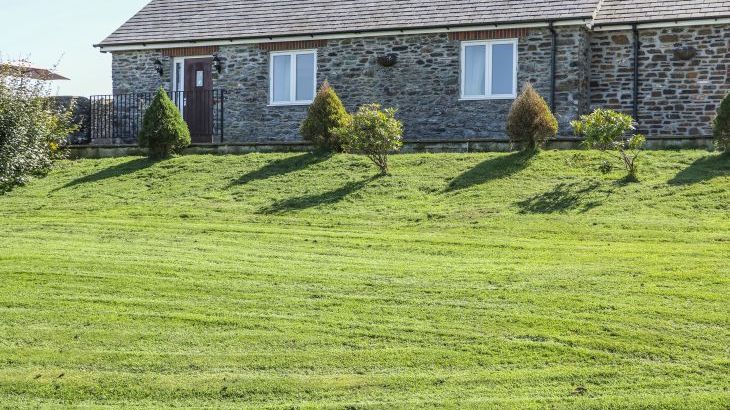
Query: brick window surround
190	51
489	34
293	45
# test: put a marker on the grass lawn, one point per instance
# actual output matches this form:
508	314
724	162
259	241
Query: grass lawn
299	281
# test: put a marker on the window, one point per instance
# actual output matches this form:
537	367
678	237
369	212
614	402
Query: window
179	73
293	77
488	69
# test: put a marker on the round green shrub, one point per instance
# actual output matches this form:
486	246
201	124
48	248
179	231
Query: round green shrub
604	129
721	126
530	123
164	131
373	132
612	131
326	114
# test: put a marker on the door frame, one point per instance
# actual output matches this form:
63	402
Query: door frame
179	89
178	78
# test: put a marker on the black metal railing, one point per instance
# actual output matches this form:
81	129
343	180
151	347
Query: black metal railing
117	119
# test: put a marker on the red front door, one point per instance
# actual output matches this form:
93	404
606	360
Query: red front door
198	111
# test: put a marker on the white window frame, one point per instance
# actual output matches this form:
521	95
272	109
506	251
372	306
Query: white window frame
488	70
293	79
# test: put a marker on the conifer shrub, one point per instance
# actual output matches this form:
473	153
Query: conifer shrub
373	132
530	123
721	126
326	114
164	131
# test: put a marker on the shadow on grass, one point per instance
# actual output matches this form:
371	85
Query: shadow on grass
325	198
116	171
492	169
563	198
282	167
704	169
5	188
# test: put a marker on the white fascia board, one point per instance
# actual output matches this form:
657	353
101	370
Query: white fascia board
259	40
664	24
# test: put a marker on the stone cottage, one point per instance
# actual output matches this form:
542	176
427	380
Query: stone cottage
245	71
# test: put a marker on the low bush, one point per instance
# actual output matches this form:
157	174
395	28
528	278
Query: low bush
373	132
611	131
326	114
721	126
530	123
33	130
164	131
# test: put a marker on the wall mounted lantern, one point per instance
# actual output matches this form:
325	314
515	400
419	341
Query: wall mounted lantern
217	64
158	67
388	60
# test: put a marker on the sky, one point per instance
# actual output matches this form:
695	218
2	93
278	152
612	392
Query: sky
47	32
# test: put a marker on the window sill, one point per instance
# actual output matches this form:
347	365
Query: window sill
500	97
291	104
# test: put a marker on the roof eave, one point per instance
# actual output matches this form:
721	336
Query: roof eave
354	33
661	21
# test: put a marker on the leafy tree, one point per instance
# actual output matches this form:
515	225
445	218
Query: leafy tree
530	123
164	131
611	131
721	126
374	133
33	130
326	114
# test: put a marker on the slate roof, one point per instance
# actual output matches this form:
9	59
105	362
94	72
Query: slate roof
642	11
190	20
164	21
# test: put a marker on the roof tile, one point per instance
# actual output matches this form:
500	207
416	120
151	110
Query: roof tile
643	11
197	20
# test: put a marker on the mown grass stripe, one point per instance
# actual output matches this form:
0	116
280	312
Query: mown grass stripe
175	286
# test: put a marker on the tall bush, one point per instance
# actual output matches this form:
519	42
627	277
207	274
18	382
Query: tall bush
721	126
326	114
164	131
373	132
33	130
530	123
611	131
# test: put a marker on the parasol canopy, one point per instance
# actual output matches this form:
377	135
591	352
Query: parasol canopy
23	69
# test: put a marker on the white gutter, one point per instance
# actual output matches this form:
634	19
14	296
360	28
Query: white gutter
664	24
259	40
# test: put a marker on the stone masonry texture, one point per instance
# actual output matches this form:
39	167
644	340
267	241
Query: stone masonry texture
676	97
594	69
79	107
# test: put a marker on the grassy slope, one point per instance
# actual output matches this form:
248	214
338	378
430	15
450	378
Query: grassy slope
279	280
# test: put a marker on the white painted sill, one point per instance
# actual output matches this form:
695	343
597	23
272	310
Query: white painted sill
291	104
496	97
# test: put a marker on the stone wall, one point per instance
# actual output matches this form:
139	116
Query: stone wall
134	72
676	97
424	85
79	108
572	78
